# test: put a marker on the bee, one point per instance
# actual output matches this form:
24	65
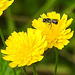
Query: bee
55	21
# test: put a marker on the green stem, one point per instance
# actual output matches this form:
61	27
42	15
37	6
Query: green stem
56	63
9	20
25	70
71	8
14	71
34	70
3	41
2	37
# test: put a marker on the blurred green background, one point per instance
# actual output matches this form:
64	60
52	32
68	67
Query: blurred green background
18	17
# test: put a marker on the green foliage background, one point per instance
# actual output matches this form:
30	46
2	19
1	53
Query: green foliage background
18	17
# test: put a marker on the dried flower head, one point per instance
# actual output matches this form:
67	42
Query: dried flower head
24	48
54	28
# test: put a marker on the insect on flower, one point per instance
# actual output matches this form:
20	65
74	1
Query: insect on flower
55	29
55	21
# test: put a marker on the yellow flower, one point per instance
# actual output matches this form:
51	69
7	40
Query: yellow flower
57	35
24	48
4	4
